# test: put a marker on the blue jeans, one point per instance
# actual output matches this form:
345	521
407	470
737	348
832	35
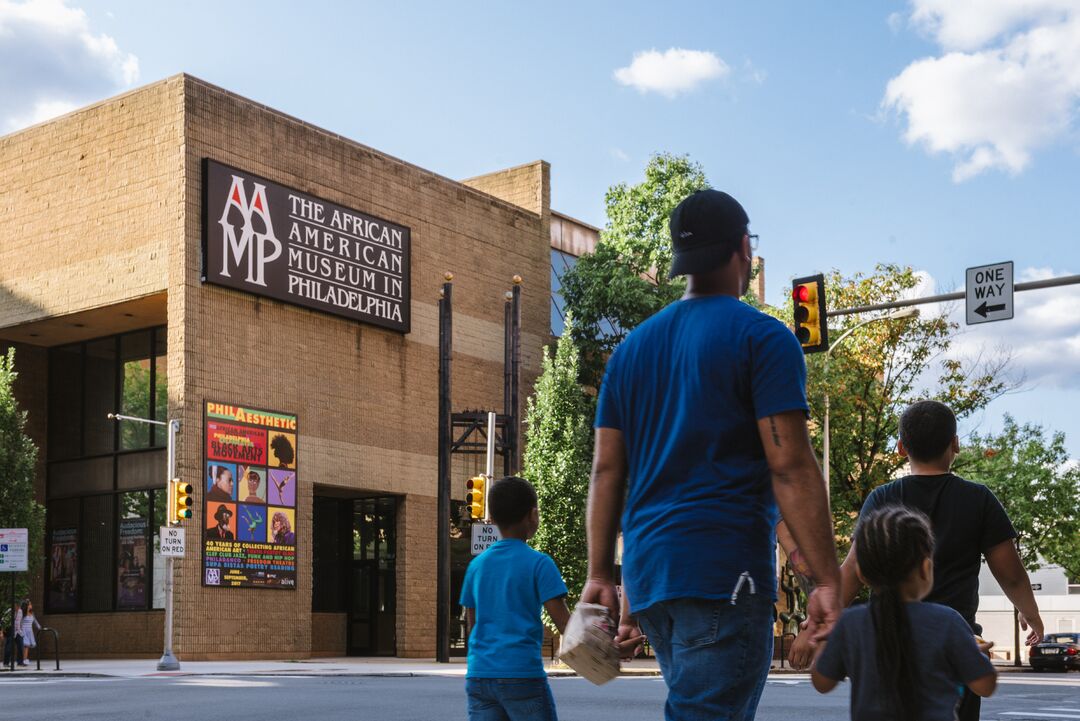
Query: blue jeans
510	699
714	656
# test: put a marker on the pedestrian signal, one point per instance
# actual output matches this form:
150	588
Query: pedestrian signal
475	497
180	497
808	304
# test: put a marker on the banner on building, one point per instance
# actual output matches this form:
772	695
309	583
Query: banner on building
63	569
249	499
271	240
131	568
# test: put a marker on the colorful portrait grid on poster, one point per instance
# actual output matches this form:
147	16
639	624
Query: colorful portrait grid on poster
249	484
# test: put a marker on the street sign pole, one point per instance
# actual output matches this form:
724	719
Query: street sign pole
14	557
168	661
490	472
13	629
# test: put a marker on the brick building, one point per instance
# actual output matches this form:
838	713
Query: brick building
112	306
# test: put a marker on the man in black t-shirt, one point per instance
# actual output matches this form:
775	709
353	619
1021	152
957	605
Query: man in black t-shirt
968	523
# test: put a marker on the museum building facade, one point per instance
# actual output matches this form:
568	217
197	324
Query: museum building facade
180	252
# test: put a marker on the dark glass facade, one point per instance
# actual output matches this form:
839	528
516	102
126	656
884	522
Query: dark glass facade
106	479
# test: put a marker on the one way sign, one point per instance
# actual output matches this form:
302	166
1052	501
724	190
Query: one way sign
989	293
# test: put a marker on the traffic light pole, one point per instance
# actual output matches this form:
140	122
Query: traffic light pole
168	661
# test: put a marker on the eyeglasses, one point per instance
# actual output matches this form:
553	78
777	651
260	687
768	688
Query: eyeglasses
753	241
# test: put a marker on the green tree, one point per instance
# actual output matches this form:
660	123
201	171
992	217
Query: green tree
18	456
875	374
557	461
612	290
1027	469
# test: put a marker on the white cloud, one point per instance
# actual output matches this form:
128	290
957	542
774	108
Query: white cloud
51	62
620	155
1043	335
673	71
1006	84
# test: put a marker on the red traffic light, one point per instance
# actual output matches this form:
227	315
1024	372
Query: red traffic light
801	294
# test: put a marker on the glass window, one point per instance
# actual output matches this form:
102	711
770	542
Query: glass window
141	470
65	402
161	387
560	263
102	531
158	583
78	478
96	544
99	432
135	399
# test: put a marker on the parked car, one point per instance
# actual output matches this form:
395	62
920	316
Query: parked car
1060	651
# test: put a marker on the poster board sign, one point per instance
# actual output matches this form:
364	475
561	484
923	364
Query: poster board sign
63	569
271	240
249	497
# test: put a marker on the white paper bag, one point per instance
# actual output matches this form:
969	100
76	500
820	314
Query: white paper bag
588	646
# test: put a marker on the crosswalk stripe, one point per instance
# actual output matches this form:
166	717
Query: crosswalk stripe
1039	714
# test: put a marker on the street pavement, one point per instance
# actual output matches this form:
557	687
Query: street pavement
270	697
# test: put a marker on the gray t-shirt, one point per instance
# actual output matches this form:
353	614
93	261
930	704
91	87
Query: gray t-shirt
946	658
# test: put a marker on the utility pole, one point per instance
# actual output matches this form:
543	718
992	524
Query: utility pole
168	661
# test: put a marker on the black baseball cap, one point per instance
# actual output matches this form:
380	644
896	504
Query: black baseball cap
705	229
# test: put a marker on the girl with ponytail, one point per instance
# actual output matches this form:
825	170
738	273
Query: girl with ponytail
907	660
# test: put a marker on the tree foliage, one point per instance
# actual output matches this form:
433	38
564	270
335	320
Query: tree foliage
18	456
1027	469
611	291
875	373
557	461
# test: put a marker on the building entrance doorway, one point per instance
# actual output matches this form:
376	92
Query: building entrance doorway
372	606
355	570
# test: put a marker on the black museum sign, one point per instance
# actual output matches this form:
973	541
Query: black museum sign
271	240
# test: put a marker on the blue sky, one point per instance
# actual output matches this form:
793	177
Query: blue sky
926	133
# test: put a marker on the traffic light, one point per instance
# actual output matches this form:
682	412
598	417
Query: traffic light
475	497
180	500
808	301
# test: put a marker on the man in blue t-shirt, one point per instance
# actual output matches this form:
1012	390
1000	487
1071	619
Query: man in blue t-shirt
504	589
700	434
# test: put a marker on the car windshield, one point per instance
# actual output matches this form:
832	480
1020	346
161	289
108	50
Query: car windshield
1062	638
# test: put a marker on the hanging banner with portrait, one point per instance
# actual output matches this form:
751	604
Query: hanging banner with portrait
249	492
131	563
63	570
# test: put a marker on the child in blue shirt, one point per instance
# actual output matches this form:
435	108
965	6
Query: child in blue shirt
504	589
907	660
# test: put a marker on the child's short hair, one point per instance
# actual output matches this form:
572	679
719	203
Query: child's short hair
926	430
510	500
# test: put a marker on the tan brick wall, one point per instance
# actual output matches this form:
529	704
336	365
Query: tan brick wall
139	634
366	397
328	634
88	203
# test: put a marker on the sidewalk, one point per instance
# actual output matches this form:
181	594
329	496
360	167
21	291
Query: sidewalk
347	666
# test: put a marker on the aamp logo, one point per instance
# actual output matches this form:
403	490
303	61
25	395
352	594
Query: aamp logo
255	248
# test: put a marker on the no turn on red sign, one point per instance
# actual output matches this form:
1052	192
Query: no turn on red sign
484	535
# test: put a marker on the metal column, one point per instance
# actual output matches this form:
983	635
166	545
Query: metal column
442	603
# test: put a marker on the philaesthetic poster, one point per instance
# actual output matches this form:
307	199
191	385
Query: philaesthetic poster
249	511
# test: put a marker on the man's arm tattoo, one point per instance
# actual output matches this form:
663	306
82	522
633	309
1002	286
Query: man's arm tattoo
775	435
